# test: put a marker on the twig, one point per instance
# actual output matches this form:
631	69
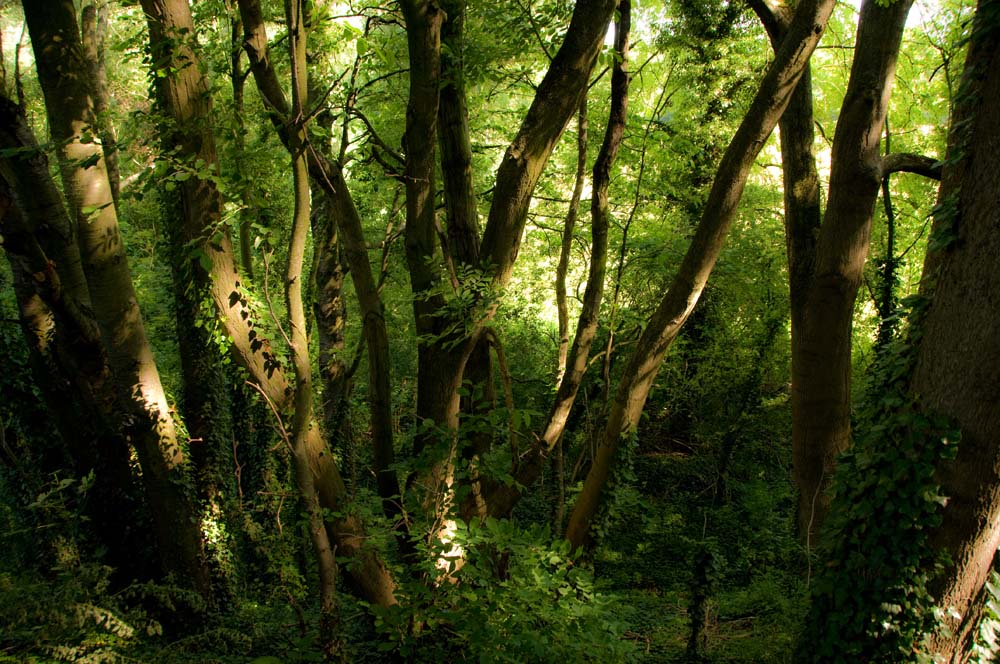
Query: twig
277	416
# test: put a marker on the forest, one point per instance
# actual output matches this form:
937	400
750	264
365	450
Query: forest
499	331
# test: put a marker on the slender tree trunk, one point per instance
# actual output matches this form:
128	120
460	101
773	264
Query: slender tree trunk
330	313
528	469
238	79
885	297
298	336
800	180
456	146
94	26
187	101
821	378
65	81
566	245
959	356
773	96
328	175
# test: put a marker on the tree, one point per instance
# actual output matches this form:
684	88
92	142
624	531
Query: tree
912	533
445	344
184	98
956	364
679	300
65	79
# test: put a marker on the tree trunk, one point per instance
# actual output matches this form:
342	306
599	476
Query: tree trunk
456	145
449	339
297	334
773	96
821	373
65	81
328	175
187	101
70	367
94	27
959	357
528	470
566	245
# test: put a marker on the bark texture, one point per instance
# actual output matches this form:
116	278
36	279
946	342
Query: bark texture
958	368
528	469
187	101
298	336
328	175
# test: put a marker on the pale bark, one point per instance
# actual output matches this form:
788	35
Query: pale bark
769	103
94	26
65	81
298	337
328	175
70	368
186	99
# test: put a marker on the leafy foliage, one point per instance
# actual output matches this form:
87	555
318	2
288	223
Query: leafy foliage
500	593
873	591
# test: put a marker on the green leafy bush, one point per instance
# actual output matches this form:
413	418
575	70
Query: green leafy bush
503	594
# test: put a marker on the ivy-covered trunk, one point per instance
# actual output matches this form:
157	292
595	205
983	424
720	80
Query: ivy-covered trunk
959	358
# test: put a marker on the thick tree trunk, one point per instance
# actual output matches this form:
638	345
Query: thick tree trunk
773	96
65	81
959	358
821	371
187	101
70	367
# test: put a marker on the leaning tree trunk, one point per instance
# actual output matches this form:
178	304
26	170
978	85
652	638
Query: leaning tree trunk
720	209
959	357
65	81
529	468
447	343
186	98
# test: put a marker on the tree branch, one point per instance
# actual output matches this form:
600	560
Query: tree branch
907	162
